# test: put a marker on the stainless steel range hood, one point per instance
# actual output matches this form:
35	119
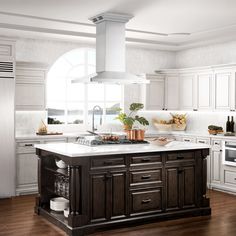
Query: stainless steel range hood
110	51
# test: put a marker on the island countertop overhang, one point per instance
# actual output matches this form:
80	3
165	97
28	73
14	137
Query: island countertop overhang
77	150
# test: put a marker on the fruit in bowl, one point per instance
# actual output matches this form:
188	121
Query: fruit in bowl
160	141
179	121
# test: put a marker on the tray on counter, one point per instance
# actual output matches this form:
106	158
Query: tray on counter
50	133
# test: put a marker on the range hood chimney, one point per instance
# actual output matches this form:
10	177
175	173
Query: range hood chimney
110	51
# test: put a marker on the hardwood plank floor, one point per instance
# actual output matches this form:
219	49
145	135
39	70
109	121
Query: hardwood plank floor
17	218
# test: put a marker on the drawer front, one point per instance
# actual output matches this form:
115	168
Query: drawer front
230	177
146	201
145	160
98	163
26	147
145	177
186	156
203	140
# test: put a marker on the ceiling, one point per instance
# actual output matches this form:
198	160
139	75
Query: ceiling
207	21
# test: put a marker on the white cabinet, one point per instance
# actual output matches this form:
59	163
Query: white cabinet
153	94
30	86
187	91
27	164
204	91
7	50
222	83
26	168
171	92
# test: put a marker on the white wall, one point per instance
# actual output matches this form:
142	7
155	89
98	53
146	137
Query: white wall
205	56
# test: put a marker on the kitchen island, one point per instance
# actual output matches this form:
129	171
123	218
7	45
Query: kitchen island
117	185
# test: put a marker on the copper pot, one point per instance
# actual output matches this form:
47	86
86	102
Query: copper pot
136	134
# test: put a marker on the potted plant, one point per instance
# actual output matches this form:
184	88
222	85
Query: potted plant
128	121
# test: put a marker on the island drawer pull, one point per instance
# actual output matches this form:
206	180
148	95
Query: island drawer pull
28	145
144	201
145	159
201	141
180	157
146	177
180	171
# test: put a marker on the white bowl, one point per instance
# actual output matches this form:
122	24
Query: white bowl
60	164
66	212
59	204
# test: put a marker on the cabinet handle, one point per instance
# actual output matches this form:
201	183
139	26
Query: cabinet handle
232	110
194	109
180	157
146	177
166	109
201	141
144	201
187	140
220	150
180	171
29	145
145	159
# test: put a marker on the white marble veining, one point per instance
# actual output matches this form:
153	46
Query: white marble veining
77	150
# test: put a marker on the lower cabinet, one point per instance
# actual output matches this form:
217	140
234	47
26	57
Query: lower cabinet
108	195
180	187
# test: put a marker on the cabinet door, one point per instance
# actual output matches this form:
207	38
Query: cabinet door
172	92
172	189
204	91
155	94
188	186
187	92
222	90
26	169
30	96
117	195
98	197
215	166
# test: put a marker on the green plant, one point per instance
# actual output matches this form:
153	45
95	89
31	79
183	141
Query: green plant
128	120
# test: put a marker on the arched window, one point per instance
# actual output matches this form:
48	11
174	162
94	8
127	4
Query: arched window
72	103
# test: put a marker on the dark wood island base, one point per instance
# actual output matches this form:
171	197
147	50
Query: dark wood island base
122	189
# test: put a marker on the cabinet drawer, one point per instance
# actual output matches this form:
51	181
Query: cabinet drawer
143	160
203	140
26	147
146	201
98	163
230	177
186	156
145	177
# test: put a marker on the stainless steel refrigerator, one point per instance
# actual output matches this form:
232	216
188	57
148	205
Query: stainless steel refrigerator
7	139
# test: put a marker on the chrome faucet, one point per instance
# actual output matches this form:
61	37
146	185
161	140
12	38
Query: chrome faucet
96	108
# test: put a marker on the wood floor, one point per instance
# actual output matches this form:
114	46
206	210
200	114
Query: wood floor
17	218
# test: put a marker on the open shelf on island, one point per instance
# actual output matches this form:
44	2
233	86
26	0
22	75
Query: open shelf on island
56	170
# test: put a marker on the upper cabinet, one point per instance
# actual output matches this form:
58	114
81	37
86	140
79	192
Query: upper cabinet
223	80
171	92
153	94
187	93
203	91
199	89
30	86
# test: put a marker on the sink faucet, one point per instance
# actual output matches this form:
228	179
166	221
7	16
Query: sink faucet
96	108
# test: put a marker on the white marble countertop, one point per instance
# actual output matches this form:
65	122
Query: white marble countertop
77	150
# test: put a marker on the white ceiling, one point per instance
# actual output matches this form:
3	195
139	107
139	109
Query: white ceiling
207	20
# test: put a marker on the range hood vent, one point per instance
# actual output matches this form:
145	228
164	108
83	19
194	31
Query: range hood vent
110	51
